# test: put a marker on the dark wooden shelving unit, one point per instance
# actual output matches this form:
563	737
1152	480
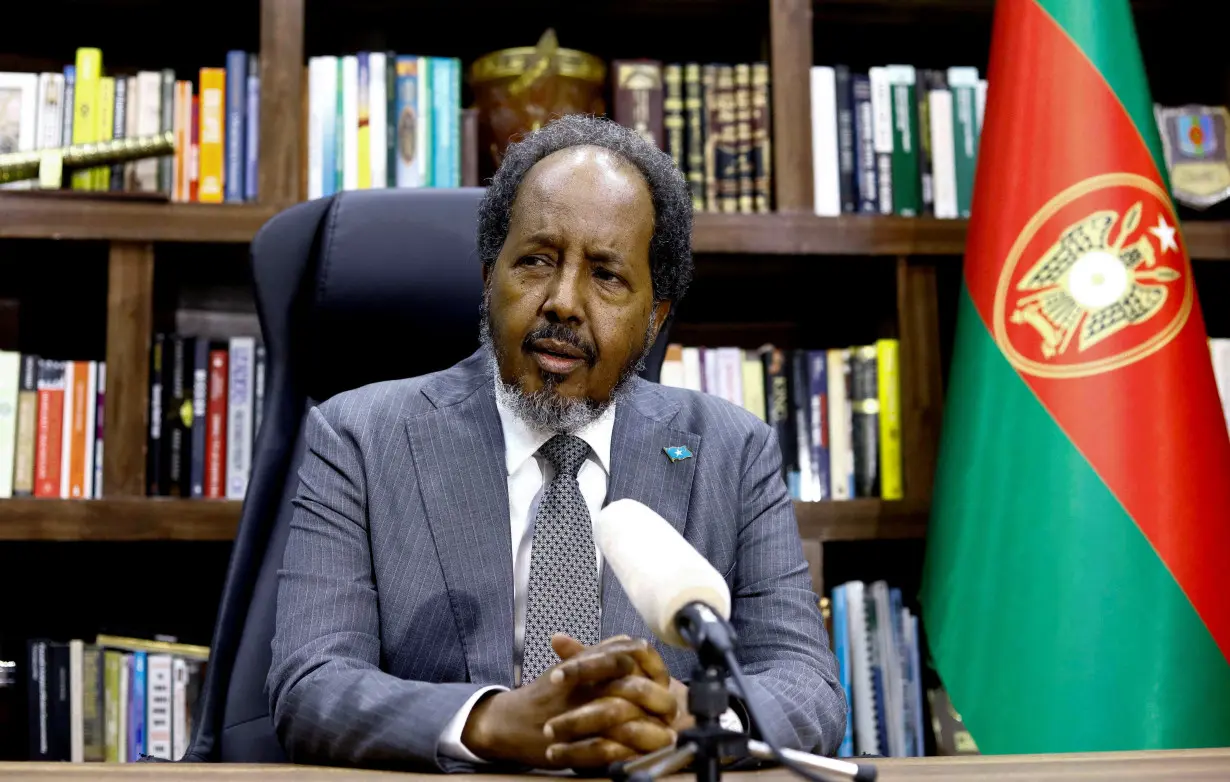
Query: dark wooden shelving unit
29	216
125	519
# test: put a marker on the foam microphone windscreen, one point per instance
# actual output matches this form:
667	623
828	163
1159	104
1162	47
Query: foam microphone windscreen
659	570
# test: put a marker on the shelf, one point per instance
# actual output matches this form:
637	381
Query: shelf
862	519
63	216
135	519
148	519
805	234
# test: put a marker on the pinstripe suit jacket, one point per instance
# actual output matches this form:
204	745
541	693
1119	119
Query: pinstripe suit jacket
395	599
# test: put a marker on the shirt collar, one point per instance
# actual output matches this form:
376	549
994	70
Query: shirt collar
521	441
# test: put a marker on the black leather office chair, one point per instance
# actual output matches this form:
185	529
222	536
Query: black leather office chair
351	289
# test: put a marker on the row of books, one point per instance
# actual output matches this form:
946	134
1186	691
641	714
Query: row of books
836	412
216	124
876	642
379	119
205	402
895	140
112	700
51	427
713	119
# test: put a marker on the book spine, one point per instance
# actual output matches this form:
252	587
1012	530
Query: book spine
68	108
865	416
27	427
158	706
112	660
166	122
327	94
48	441
964	84
409	171
377	104
148	122
638	98
252	128
213	136
258	391
846	140
390	118
104	124
216	422
100	428
85	107
234	167
825	153
363	119
926	180
694	108
882	134
762	140
119	127
136	706
906	196
672	109
887	385
194	153
712	136
817	361
349	88
943	153
239	417
200	397
10	384
153	447
865	147
743	136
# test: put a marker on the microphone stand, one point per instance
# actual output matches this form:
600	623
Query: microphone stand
707	745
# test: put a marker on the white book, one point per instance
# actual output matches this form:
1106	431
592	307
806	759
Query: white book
66	429
319	110
10	381
980	102
158	706
866	736
239	401
350	123
90	411
841	423
149	123
377	117
424	136
76	696
826	176
19	102
712	379
1219	350
882	135
730	374
179	708
124	688
943	154
888	655
671	373
50	121
691	370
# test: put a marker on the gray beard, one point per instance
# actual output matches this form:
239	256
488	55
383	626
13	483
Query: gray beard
546	409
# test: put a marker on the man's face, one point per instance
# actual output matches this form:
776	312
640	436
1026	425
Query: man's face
571	293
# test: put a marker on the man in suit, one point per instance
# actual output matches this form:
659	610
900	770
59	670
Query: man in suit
442	604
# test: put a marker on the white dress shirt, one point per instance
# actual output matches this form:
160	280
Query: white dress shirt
528	474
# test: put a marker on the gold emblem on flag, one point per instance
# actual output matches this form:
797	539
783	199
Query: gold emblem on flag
1097	280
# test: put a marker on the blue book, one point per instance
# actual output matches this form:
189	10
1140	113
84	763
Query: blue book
136	706
234	165
252	123
841	650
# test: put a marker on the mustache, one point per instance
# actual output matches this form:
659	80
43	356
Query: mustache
560	332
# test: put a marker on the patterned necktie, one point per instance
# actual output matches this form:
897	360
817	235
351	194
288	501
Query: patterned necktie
563	585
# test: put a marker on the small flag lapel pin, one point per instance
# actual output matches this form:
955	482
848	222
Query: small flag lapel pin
678	452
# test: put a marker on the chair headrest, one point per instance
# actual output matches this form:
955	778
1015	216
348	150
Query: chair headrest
390	286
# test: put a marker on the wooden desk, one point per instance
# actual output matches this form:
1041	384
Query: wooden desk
1177	766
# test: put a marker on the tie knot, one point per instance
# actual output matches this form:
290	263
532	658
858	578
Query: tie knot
566	453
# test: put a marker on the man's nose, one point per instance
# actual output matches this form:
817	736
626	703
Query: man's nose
566	297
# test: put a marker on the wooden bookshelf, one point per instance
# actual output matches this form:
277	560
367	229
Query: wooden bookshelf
127	519
165	519
59	216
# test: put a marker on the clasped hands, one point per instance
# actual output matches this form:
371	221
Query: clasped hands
600	704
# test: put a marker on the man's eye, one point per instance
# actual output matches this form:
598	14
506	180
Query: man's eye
532	260
606	276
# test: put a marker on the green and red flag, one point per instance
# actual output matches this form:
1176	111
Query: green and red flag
1076	592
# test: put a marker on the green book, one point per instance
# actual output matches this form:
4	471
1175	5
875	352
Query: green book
964	85
907	183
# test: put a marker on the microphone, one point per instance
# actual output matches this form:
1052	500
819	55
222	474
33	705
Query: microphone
682	598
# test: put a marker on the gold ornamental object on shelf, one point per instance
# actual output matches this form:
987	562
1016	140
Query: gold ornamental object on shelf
49	166
521	89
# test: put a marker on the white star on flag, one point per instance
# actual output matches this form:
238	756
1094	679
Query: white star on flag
1165	234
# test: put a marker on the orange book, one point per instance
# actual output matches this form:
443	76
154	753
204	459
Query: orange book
183	140
80	439
213	134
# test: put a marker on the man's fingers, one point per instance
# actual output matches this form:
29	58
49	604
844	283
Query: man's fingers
566	646
649	695
592	666
589	753
644	736
591	719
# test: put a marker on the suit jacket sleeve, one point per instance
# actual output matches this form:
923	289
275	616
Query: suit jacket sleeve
331	703
795	695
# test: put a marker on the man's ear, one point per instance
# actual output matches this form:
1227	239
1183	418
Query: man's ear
660	312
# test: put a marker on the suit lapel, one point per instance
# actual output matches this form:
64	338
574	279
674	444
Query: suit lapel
641	470
459	458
